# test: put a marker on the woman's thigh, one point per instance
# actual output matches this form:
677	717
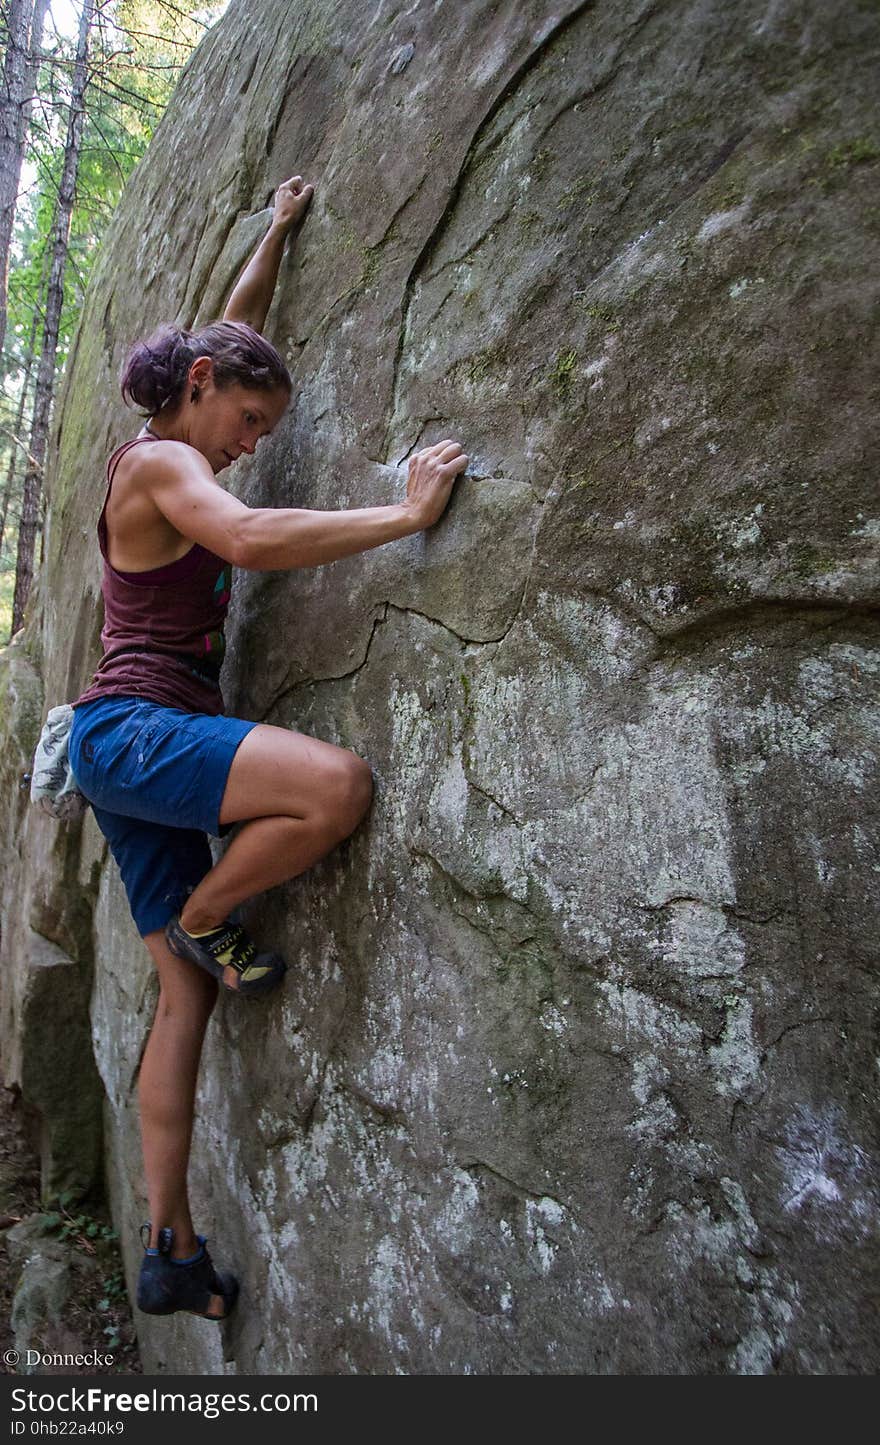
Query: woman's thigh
279	772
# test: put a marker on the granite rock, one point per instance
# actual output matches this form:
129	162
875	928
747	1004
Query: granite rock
573	1070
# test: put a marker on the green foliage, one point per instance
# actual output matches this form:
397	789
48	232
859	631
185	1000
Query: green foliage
138	49
97	1240
78	1228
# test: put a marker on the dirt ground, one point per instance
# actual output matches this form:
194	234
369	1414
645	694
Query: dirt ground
96	1314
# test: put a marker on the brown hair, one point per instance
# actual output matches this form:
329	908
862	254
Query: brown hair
156	370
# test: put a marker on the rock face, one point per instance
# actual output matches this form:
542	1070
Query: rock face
573	1068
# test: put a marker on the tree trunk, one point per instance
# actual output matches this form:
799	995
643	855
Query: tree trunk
18	446
24	33
55	297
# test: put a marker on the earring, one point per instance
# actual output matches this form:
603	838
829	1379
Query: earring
194	394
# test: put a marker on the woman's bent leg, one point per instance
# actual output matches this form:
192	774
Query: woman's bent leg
167	1088
299	798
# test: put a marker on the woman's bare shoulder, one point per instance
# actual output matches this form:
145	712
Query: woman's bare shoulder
165	455
140	535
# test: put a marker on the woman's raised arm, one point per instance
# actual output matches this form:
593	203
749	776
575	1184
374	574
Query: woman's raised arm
252	294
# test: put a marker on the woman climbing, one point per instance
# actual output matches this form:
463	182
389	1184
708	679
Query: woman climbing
151	747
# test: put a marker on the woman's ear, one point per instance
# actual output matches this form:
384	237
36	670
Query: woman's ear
200	373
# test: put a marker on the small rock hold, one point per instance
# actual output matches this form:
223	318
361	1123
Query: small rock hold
402	59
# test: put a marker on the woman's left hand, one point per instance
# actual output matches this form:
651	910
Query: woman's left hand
291	202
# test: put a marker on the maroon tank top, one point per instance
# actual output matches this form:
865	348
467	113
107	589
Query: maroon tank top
163	633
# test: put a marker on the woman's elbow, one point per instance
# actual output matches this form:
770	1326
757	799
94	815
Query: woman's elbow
253	319
255	541
242	549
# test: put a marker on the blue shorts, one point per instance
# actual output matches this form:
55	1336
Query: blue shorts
155	777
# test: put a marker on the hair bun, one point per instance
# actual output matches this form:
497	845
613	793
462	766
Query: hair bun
156	370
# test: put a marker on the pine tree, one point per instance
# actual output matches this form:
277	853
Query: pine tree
24	568
136	51
24	30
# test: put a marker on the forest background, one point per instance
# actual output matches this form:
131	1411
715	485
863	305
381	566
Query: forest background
84	86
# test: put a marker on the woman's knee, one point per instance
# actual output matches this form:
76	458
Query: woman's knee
187	1012
186	993
349	792
276	773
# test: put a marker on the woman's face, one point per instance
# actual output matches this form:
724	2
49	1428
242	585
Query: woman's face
226	421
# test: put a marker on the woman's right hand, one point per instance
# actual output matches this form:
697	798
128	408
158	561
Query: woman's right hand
432	474
292	200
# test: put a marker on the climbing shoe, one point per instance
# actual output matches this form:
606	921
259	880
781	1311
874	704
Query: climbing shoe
166	1285
230	955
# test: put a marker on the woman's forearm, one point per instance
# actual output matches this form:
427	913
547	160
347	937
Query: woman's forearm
252	294
276	538
255	287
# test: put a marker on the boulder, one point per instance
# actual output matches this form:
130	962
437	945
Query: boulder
572	1072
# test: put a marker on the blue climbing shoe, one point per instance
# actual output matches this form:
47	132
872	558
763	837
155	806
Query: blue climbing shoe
230	955
166	1285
